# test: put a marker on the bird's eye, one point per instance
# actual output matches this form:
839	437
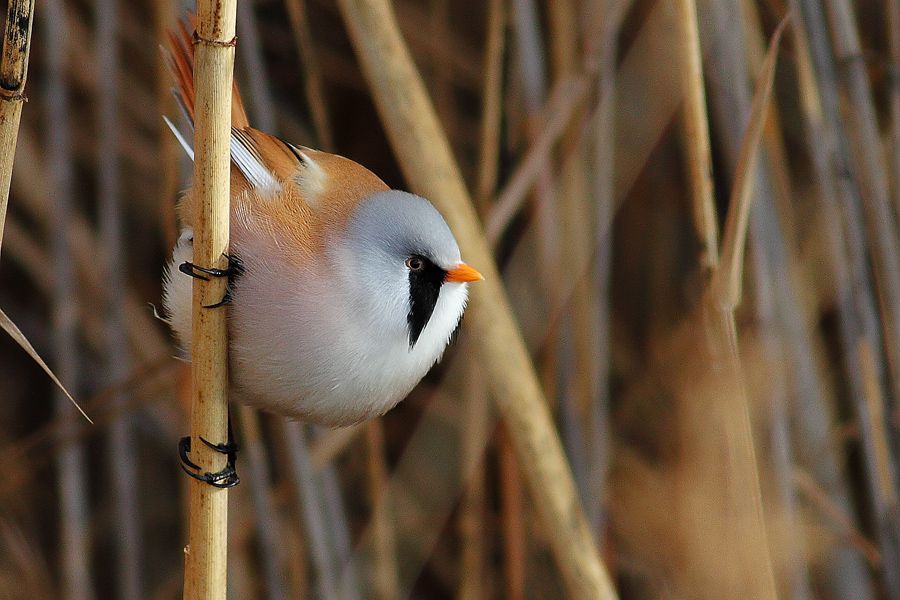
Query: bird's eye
415	264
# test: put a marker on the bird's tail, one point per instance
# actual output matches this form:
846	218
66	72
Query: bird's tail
179	57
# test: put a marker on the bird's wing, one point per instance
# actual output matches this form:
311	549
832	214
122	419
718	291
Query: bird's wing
291	183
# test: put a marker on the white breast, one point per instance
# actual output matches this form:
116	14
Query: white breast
306	345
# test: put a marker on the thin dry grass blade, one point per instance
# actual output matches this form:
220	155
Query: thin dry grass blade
10	328
13	75
726	284
696	132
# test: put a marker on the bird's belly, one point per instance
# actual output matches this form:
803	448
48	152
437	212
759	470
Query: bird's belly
299	351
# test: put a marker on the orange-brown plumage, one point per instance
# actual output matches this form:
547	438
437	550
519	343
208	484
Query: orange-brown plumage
318	190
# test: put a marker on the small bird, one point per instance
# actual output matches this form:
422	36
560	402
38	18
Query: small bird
342	292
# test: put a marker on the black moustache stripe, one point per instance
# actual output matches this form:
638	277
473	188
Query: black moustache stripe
424	288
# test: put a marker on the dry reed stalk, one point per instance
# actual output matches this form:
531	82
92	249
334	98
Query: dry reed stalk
206	554
491	107
252	65
314	525
472	519
441	79
428	165
13	74
579	330
74	509
529	58
31	192
604	164
846	573
515	547
885	476
328	446
560	107
314	83
266	517
336	521
838	519
696	132
892	18
859	318
121	458
726	284
745	551
870	166
384	567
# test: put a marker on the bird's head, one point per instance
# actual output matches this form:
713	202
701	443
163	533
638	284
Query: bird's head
400	256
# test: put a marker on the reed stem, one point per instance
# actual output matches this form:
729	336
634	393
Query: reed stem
13	74
206	554
425	157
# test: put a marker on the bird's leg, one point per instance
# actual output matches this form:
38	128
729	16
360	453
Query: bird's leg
225	478
232	272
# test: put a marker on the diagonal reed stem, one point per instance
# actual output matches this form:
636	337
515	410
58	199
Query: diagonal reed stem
429	166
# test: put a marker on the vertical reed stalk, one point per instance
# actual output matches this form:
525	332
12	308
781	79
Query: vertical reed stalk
384	567
472	521
859	320
491	109
13	74
696	133
206	555
74	504
429	166
266	517
314	83
845	571
120	453
514	544
893	28
314	525
866	152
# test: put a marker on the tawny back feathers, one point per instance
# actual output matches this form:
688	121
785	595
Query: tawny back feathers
296	194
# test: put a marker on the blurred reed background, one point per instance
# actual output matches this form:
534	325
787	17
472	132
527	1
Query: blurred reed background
727	440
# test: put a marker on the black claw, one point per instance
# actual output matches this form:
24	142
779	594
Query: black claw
184	447
225	478
235	269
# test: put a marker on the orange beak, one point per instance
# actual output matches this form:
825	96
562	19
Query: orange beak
463	273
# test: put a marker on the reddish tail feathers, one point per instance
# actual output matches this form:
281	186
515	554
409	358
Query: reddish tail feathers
180	58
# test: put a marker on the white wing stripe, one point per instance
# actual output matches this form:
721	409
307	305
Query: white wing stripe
249	162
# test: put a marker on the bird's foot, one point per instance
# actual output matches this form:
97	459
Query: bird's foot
235	268
225	478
